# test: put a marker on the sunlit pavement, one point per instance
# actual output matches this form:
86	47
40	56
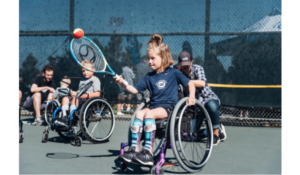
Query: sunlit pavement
247	150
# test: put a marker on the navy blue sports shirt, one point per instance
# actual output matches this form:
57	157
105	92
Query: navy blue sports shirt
163	87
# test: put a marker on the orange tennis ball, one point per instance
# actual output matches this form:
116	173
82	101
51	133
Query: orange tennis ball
78	33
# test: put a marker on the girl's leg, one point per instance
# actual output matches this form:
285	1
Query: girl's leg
150	126
136	130
145	157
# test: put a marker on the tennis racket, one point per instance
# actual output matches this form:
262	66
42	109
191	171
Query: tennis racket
84	89
85	49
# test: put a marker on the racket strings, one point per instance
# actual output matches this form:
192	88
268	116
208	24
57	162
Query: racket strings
85	50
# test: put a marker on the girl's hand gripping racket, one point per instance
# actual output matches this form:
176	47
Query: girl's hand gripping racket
85	49
84	89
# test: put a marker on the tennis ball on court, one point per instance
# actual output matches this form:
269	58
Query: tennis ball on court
78	33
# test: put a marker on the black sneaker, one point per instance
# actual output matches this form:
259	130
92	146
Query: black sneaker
128	155
216	139
144	158
222	133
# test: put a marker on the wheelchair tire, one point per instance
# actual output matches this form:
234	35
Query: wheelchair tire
181	133
97	120
50	108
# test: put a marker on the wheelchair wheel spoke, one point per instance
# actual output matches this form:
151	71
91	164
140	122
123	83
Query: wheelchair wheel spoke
99	116
92	132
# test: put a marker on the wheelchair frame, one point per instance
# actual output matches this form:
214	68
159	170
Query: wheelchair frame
76	117
170	136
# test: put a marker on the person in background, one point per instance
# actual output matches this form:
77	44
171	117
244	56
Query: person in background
40	91
204	93
20	94
129	77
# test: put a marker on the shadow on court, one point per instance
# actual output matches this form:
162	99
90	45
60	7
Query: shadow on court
61	155
247	150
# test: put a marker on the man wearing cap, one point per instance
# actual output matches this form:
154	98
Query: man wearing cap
204	94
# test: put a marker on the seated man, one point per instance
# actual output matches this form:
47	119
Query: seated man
93	91
204	94
40	91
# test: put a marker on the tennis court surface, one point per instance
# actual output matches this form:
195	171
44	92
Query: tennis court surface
247	150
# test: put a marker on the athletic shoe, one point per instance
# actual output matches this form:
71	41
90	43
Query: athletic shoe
38	121
222	133
128	110
120	113
216	139
64	121
128	155
144	158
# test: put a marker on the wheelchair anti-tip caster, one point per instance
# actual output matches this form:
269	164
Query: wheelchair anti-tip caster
153	170
45	136
21	137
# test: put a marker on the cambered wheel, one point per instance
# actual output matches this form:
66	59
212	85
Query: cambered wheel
49	111
191	135
97	120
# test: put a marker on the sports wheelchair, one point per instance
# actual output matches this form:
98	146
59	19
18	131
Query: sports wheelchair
95	119
187	131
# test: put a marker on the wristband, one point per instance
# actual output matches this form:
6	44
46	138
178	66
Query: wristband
88	95
125	83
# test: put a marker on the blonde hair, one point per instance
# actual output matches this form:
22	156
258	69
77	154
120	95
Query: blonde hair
161	49
88	62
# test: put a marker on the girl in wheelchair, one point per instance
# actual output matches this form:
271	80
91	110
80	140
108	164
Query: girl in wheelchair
162	84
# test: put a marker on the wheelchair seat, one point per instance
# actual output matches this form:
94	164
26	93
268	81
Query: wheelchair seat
161	123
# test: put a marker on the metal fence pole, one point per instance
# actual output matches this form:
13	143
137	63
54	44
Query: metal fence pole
207	29
71	15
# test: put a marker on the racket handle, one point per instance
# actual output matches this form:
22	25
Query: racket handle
117	76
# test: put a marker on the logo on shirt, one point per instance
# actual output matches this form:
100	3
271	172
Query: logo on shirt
161	84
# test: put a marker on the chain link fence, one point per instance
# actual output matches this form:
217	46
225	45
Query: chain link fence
238	42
